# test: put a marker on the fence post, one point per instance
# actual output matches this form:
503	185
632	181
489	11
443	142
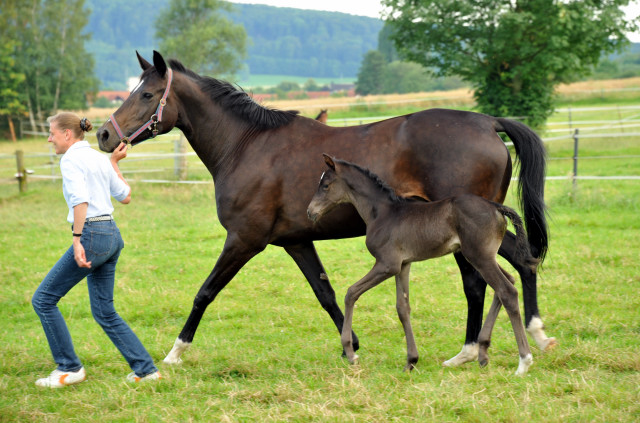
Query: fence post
22	172
180	159
575	157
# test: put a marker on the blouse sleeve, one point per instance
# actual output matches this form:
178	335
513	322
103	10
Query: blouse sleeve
119	190
75	183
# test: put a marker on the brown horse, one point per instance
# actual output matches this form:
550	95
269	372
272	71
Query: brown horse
401	231
322	116
265	165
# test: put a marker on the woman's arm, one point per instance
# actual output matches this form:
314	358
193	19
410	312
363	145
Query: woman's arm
118	154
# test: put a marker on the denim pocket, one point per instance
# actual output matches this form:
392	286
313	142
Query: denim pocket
100	242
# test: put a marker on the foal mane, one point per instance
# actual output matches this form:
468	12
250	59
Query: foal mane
380	184
237	101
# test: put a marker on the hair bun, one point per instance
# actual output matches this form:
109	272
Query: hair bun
85	125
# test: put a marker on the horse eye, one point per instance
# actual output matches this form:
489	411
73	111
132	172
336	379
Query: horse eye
147	95
325	187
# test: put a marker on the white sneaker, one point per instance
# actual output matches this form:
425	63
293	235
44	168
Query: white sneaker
132	377
59	379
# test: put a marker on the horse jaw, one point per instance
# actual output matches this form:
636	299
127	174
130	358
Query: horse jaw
178	348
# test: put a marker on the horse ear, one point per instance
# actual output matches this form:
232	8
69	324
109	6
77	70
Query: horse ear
329	161
143	63
158	62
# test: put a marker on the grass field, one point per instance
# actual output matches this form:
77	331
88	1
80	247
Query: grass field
266	351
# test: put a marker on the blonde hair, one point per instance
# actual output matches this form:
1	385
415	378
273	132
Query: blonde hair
71	121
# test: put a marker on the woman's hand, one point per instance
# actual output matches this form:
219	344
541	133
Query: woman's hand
79	255
119	153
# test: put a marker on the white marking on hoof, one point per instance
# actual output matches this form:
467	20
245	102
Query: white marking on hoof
523	367
355	359
536	330
469	353
178	348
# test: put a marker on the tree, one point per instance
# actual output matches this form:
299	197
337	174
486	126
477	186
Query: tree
371	75
11	79
405	77
198	34
513	52
48	54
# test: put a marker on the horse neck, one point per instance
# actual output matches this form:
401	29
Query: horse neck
365	195
214	134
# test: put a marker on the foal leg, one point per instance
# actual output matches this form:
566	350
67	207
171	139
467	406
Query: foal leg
234	255
307	259
532	319
376	275
404	312
508	295
474	290
484	339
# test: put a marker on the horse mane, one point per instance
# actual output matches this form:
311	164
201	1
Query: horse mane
237	101
382	185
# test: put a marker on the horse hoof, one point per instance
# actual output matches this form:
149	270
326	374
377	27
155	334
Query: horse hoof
469	353
549	344
354	360
523	367
178	348
483	361
172	361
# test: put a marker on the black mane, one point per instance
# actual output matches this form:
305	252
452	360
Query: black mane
237	101
382	185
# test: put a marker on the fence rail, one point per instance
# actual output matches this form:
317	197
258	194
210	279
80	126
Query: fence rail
181	164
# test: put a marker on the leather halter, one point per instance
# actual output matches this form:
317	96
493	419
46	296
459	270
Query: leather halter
153	120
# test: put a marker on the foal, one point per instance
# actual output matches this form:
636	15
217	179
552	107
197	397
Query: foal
401	231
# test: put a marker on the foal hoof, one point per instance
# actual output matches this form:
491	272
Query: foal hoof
483	361
523	367
354	360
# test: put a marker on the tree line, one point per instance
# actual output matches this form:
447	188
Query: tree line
511	52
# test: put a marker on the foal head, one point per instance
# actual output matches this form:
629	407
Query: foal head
332	191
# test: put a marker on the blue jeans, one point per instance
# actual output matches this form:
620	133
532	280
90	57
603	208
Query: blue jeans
102	243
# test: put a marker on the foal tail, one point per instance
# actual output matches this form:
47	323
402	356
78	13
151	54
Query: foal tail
532	158
523	251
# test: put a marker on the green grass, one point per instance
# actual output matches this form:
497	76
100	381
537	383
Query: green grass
266	351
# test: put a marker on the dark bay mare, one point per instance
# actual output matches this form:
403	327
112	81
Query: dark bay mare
265	164
401	231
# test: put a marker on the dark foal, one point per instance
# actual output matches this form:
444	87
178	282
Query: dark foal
401	231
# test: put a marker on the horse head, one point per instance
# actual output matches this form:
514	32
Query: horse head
147	111
331	190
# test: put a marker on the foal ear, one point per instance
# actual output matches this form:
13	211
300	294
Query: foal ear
158	62
143	63
329	161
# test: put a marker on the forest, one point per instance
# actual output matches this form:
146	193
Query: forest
282	41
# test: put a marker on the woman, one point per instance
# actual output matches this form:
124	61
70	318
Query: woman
89	180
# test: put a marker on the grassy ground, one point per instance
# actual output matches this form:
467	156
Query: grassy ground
266	351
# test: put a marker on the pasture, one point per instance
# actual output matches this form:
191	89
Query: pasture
266	351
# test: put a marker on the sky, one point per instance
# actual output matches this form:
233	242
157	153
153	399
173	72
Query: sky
372	8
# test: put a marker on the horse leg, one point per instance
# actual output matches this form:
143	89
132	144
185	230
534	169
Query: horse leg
474	290
508	295
307	259
484	339
376	275
528	276
404	313
234	255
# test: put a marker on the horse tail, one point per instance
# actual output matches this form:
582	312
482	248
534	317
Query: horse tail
523	250
531	156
